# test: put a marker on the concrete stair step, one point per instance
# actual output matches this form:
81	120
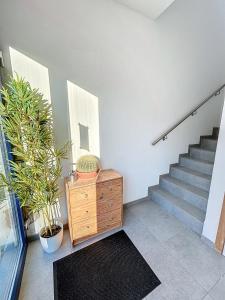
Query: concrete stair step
190	215
216	131
185	191
208	142
192	163
200	153
190	176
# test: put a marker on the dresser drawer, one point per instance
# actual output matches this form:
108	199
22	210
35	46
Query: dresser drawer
109	220
83	212
85	228
94	205
108	205
111	186
110	190
80	197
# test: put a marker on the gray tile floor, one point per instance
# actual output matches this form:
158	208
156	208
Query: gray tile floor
187	268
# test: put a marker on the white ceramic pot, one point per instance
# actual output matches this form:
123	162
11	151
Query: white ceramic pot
52	244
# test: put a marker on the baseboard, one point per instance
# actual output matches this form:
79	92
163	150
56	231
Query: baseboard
66	226
208	242
135	202
35	237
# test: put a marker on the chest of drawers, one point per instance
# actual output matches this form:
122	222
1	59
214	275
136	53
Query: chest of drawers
94	205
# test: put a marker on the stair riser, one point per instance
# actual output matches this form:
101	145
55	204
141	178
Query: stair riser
197	181
209	144
202	154
179	213
196	165
215	132
184	194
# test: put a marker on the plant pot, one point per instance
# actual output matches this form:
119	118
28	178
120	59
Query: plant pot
51	244
89	175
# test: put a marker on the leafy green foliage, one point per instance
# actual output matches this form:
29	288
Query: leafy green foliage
36	168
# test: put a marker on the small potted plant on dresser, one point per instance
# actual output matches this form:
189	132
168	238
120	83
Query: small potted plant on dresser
87	166
26	119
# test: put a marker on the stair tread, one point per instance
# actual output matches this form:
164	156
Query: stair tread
184	191
187	207
209	137
196	159
199	147
200	192
192	172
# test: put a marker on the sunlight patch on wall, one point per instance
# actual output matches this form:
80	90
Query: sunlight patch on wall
84	121
32	71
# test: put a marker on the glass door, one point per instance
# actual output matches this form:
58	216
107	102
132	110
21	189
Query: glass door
12	238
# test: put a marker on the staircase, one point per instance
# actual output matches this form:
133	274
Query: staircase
184	191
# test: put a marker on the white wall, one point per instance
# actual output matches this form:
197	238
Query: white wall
146	74
149	8
217	189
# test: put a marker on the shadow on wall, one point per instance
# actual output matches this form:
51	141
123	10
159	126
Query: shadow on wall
82	108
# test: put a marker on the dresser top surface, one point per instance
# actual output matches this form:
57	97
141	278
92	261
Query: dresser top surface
103	175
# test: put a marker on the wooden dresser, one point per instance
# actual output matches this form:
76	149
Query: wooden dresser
94	205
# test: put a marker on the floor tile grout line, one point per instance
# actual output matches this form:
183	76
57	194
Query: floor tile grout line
199	283
183	266
163	244
215	284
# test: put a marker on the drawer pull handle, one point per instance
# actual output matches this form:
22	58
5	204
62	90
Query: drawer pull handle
86	211
88	226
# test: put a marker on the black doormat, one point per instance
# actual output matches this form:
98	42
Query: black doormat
112	268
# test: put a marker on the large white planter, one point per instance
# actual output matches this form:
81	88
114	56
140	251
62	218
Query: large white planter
52	244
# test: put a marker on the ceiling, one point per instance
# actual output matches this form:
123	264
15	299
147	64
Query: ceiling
150	8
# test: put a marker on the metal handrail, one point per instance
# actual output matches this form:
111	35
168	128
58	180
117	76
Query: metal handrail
191	113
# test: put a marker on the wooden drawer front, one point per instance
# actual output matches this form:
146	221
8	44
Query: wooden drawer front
111	186
85	228
83	212
108	205
110	190
82	196
109	220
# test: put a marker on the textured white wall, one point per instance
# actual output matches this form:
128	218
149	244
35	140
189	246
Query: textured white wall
145	74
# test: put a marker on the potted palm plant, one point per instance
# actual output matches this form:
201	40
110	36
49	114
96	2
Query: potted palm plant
26	119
